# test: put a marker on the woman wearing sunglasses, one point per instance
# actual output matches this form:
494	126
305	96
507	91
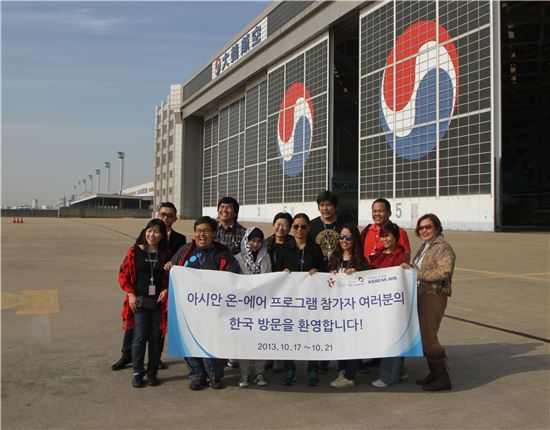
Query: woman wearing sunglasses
347	258
392	369
435	262
302	255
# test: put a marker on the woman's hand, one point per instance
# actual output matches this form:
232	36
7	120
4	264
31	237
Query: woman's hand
334	272
168	266
132	301
286	270
350	270
162	296
313	271
406	266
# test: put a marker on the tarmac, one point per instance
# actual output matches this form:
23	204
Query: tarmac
61	331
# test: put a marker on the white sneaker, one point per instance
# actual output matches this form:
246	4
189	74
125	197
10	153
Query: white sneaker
404	376
380	384
342	382
260	380
244	382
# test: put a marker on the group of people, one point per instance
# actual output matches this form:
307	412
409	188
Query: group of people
324	244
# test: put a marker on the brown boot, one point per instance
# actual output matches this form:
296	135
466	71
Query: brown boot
442	380
430	377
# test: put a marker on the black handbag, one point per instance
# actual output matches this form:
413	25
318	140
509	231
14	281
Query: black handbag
148	303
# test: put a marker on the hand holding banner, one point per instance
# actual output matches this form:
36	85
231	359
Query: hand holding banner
293	316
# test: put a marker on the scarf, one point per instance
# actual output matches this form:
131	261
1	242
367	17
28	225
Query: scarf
246	253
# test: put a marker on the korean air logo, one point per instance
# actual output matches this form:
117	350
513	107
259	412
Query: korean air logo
409	114
295	129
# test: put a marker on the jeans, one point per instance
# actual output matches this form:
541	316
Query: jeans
201	368
349	367
147	330
391	369
127	341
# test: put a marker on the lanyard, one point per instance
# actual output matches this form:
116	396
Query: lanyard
152	267
302	260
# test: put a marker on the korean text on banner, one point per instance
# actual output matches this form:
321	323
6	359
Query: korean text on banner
293	316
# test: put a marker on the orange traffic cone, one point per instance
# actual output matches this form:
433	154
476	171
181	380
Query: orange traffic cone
14	221
21	221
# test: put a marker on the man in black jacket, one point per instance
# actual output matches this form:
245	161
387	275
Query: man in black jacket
168	213
205	253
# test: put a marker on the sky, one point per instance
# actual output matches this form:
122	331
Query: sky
80	81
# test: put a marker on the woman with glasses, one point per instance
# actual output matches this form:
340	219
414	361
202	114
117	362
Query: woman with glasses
392	369
347	258
302	255
435	262
143	278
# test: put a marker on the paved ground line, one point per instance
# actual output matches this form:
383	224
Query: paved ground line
494	327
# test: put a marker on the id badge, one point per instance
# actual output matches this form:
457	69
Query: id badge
152	290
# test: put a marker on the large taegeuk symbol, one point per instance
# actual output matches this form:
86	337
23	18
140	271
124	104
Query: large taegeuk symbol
295	129
419	60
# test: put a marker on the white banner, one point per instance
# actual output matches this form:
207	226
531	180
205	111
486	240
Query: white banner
293	316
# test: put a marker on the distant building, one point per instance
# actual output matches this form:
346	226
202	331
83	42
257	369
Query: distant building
147	189
34	204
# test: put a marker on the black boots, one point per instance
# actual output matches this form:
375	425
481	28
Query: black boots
438	379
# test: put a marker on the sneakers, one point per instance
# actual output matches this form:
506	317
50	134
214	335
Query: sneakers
197	384
342	382
380	384
216	384
244	382
313	380
137	380
290	377
260	381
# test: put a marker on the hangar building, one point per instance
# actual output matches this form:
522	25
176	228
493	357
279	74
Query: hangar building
438	106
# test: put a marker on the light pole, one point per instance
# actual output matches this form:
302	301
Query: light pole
85	186
121	156
91	178
79	188
74	192
98	173
108	185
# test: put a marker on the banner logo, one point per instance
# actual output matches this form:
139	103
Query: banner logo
408	115
295	129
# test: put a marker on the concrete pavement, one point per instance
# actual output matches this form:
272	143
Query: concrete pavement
61	332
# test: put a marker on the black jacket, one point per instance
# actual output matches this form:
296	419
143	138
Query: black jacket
218	257
177	240
313	257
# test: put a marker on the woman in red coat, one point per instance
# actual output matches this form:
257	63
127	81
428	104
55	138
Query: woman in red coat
392	369
143	278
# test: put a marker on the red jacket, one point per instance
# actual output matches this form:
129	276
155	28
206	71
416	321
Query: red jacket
127	280
395	258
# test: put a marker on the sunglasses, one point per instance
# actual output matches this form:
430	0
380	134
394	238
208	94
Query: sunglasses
347	237
166	215
425	227
299	226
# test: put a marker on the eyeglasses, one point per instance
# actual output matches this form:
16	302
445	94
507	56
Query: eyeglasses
425	227
203	231
347	237
166	215
299	226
